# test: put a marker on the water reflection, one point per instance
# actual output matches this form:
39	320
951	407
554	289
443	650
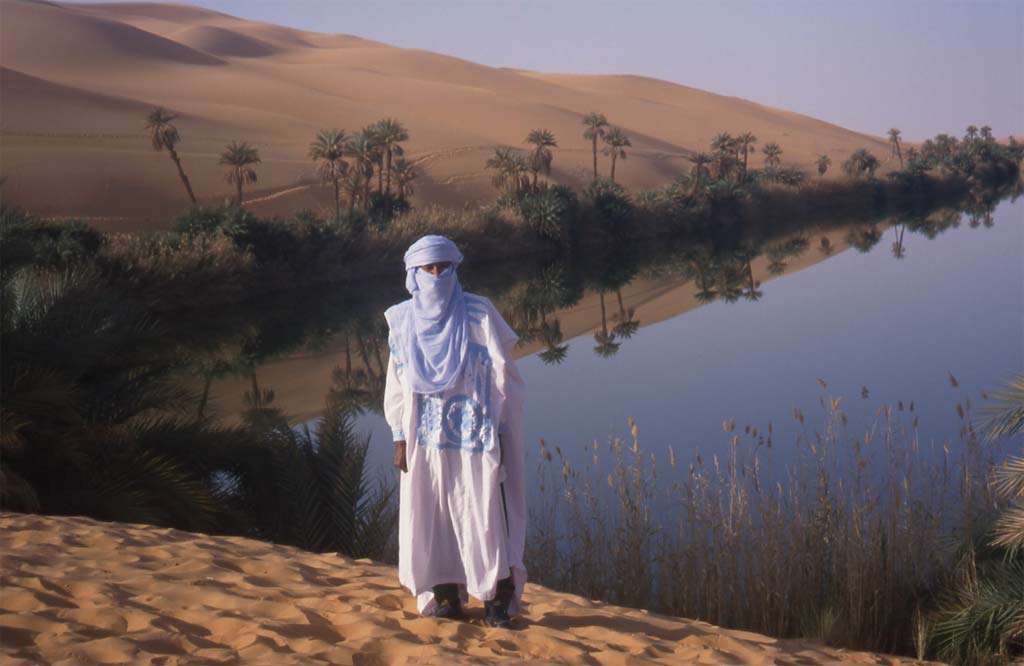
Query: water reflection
338	345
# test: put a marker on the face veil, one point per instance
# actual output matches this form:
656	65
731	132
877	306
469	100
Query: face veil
434	339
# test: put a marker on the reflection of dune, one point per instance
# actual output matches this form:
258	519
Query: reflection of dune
223	42
301	381
80	591
275	87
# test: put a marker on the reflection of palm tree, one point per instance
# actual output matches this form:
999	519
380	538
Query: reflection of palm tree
898	250
825	246
705	290
729	280
627	325
606	344
776	254
551	335
751	293
354	389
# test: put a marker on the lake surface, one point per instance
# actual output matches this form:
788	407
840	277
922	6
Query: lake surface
880	326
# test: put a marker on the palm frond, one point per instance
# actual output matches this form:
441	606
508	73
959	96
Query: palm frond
984	616
1006	410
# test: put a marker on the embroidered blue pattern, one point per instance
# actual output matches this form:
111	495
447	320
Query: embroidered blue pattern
461	419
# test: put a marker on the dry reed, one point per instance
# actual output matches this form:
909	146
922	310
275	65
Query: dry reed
846	539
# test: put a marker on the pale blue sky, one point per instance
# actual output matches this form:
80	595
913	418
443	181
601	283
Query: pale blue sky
925	66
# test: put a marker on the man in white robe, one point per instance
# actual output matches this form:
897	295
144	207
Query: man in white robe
453	400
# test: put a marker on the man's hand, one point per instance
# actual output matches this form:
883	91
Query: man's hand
400	456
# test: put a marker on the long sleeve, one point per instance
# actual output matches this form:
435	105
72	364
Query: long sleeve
394	399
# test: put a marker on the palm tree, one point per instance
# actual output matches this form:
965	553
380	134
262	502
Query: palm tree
363	149
745	142
540	158
405	174
723	143
986	133
329	151
772	154
239	158
165	135
824	162
510	169
595	124
860	164
983	617
353	187
390	134
699	171
616	143
972	133
894	140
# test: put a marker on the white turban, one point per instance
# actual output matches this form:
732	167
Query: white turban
434	339
430	249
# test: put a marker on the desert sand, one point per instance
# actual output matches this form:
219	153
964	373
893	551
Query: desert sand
77	80
79	591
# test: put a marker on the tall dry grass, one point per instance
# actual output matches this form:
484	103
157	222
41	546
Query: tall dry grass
845	536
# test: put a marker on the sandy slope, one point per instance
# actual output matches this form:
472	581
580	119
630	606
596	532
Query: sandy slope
78	591
77	81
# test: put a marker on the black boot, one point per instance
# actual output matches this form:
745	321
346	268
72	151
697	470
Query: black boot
449	606
497	608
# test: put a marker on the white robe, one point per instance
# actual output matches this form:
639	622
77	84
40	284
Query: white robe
462	515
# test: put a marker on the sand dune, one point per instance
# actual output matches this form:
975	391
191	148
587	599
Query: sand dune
233	79
220	41
79	591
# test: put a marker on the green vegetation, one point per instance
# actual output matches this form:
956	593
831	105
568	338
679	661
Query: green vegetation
95	337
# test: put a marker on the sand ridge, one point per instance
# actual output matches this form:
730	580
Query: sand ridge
229	78
77	590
